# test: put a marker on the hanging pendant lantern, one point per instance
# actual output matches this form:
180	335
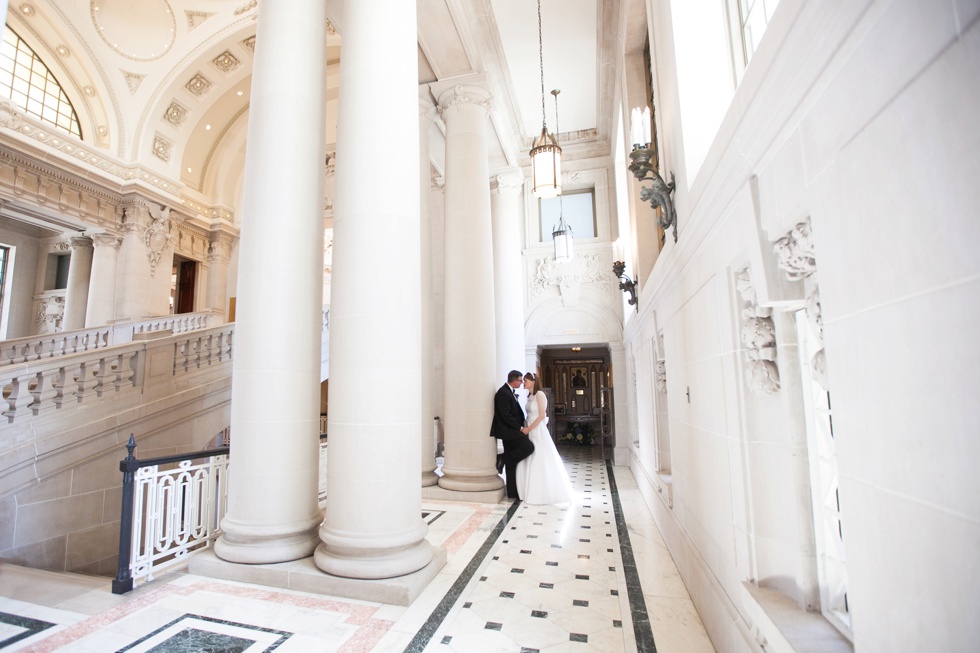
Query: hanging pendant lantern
563	240
545	155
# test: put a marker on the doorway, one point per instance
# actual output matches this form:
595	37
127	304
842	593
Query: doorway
182	282
580	380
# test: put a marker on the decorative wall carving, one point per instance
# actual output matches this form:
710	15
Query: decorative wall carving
461	97
797	258
583	269
794	251
10	115
50	313
759	338
249	44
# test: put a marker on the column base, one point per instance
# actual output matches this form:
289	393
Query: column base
429	478
436	493
240	544
303	575
487	483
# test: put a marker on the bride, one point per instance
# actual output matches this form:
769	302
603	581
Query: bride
541	477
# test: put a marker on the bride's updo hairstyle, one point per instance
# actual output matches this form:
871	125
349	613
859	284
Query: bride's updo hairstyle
533	379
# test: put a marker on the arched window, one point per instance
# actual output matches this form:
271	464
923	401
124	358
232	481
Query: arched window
27	81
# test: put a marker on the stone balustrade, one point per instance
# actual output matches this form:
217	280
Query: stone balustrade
63	343
44	386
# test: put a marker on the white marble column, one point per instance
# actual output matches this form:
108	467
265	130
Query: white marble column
102	282
508	270
373	527
79	275
427	113
470	351
275	402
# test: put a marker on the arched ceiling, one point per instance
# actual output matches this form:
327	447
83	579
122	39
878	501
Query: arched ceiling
165	83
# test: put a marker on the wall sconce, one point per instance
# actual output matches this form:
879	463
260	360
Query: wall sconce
627	284
641	156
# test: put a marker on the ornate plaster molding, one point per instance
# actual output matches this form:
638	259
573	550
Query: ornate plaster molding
794	252
759	338
548	273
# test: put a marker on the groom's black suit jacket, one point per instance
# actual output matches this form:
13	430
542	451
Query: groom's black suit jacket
508	416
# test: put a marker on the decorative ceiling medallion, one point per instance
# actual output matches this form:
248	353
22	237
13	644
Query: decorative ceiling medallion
175	114
133	81
162	148
89	91
141	31
249	44
195	18
226	62
26	9
199	85
62	51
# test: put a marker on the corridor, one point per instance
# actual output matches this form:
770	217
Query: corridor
519	578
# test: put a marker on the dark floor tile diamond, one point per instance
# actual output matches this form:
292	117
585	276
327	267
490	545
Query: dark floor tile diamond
584	557
525	551
614	592
539	613
525	649
551	564
612	569
493	625
617	623
580	604
546	586
578	637
447	639
467	604
581	577
516	571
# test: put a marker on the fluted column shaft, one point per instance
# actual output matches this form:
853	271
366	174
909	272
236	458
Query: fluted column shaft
427	113
100	308
470	351
272	503
508	272
219	257
373	526
79	275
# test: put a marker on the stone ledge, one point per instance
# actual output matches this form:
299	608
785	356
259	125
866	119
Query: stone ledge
303	575
783	627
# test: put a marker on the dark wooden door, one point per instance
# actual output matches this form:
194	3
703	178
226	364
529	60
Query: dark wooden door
186	276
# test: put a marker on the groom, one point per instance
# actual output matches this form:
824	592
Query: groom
508	426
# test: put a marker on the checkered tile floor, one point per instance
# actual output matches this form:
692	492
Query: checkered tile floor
519	578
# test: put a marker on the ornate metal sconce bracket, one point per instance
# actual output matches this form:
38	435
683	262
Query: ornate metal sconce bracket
627	284
659	193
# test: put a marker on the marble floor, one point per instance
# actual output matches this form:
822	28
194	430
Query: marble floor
593	576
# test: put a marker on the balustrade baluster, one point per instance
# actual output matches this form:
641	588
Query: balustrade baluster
85	381
44	391
66	386
18	397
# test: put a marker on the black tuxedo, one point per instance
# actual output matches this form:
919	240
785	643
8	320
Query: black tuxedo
508	418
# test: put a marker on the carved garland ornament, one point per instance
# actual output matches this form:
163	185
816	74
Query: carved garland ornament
796	256
548	273
759	338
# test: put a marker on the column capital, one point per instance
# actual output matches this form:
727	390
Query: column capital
427	108
457	96
80	242
509	181
105	240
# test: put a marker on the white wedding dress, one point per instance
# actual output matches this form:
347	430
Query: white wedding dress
541	477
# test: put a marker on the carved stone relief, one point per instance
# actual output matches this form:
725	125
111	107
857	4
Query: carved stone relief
583	269
50	314
797	258
758	337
